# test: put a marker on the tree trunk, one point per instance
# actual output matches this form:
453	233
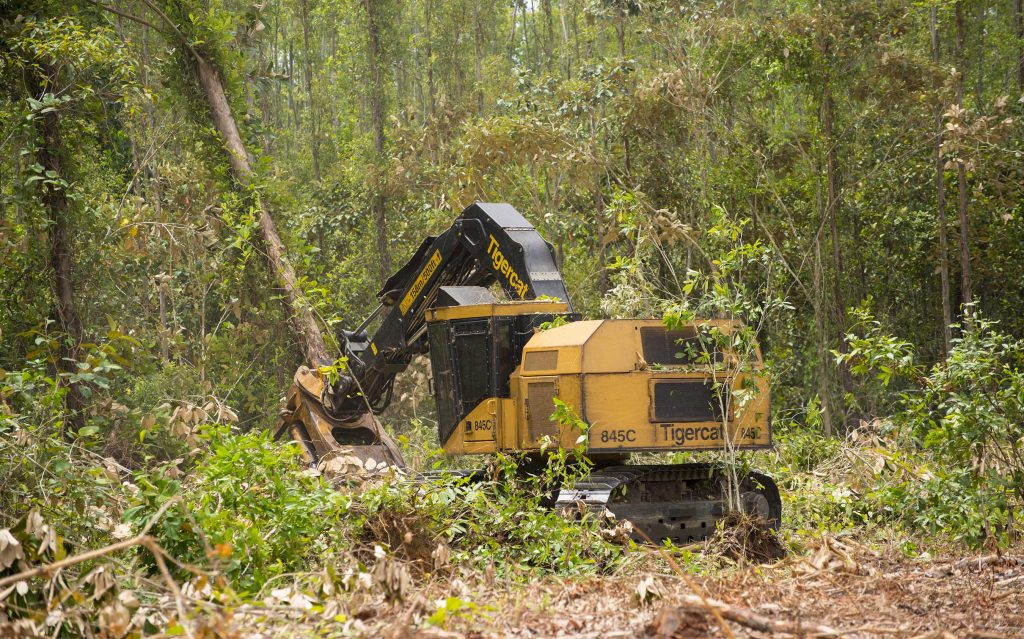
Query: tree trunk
620	32
1018	19
549	35
155	198
821	328
537	46
378	202
603	226
478	50
49	155
564	51
292	102
833	202
512	34
961	174
429	53
602	244
307	63
311	340
526	35
940	201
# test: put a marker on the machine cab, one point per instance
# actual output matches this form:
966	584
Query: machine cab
476	343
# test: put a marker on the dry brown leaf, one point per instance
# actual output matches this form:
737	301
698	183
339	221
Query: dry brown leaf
11	549
647	590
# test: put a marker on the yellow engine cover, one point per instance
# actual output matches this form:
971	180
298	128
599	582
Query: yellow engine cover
639	387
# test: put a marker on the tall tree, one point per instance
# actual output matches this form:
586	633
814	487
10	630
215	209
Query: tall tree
62	73
307	67
375	16
304	325
1018	20
966	294
940	196
49	154
209	79
429	52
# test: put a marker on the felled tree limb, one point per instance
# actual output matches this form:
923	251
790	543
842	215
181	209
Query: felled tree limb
745	617
974	562
141	539
49	569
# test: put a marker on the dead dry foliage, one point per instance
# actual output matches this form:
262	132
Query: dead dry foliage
833	587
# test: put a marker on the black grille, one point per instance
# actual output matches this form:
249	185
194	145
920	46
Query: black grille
542	405
673	348
473	362
686	401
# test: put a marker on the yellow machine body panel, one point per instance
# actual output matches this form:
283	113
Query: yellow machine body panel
480	429
633	382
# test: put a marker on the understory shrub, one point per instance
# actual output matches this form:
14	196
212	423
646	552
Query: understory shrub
247	504
250	507
960	422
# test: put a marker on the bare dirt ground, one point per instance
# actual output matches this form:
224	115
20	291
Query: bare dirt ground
836	588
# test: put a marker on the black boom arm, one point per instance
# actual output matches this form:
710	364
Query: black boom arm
487	243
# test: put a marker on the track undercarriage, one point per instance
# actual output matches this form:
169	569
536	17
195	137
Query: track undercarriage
682	502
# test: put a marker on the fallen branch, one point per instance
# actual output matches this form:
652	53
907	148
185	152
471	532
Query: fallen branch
49	569
1003	583
142	539
750	619
974	562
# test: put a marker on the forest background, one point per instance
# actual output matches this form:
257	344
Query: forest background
190	189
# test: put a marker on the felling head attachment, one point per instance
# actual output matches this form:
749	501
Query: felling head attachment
357	446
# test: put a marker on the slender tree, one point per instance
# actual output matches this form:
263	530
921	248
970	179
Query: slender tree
50	153
966	293
1018	20
310	338
940	196
378	203
209	80
307	67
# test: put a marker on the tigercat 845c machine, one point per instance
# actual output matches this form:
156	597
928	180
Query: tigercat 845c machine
496	374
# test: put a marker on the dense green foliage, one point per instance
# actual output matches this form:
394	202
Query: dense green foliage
621	130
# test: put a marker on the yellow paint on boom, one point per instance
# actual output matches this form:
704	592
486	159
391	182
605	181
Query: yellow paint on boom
421	281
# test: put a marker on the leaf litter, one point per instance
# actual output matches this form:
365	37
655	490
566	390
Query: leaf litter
832	587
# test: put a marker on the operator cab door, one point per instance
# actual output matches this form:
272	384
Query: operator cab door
462	360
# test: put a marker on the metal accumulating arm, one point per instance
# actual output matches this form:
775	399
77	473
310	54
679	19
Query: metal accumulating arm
486	244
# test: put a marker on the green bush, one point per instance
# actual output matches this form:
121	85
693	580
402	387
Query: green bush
966	416
247	504
798	449
250	508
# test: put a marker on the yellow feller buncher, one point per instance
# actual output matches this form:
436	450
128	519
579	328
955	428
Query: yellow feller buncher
496	374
